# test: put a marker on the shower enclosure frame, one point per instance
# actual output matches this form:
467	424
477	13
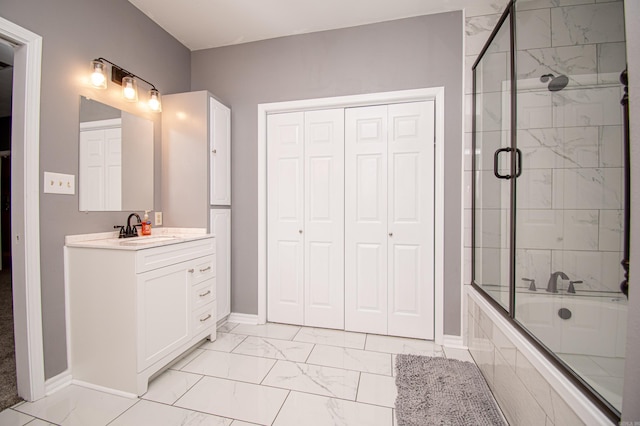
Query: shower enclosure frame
509	18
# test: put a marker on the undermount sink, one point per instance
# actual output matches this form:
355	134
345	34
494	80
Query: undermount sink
141	241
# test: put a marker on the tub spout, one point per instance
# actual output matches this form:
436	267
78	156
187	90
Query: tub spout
552	286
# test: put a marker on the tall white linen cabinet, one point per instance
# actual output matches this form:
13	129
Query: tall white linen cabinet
196	175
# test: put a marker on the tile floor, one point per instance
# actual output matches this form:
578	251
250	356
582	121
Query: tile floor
271	374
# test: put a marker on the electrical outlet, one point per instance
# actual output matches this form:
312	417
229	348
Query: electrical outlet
58	183
158	220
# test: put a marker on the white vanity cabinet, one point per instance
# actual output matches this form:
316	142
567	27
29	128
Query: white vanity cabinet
133	311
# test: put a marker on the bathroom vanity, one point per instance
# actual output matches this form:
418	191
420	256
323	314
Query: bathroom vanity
135	305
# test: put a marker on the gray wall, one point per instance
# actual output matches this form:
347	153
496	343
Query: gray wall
410	53
631	394
75	32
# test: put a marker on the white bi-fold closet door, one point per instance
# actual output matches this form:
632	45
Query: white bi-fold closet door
305	218
389	226
350	218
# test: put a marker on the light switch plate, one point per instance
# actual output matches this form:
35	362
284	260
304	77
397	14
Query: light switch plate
58	183
158	220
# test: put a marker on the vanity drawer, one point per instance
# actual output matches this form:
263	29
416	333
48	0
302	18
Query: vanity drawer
204	321
157	257
204	269
203	293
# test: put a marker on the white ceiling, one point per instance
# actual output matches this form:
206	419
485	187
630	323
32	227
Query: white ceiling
202	24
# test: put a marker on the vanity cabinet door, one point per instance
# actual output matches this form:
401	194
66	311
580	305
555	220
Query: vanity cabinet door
164	311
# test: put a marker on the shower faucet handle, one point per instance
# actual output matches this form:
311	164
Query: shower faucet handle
571	288
532	284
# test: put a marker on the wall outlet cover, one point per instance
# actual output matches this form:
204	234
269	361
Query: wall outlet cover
58	183
158	219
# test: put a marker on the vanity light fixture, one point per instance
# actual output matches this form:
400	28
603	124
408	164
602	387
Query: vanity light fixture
128	81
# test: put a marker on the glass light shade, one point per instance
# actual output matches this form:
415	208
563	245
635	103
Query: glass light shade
155	102
130	89
99	74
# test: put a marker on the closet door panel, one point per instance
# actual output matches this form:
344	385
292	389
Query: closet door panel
324	218
285	211
411	221
366	219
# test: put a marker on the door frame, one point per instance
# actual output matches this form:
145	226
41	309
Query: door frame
25	209
435	94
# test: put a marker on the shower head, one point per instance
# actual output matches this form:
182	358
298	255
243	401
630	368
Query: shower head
556	83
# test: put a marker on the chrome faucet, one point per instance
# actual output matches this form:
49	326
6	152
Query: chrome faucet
552	287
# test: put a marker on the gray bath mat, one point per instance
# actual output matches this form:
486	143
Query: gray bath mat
441	391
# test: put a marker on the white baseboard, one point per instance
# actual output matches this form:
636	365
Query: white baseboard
104	389
453	342
243	318
58	382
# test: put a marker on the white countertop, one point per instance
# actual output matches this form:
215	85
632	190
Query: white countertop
159	237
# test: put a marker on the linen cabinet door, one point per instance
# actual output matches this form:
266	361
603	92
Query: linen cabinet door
220	153
285	218
324	219
164	311
410	220
366	219
221	228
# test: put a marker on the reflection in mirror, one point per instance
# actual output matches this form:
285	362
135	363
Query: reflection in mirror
116	159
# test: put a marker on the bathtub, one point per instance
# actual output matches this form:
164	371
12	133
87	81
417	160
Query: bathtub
591	323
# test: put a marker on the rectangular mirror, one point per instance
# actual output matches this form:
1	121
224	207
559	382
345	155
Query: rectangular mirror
116	159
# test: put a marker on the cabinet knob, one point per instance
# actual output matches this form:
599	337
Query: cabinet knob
214	151
299	231
191	271
391	234
205	318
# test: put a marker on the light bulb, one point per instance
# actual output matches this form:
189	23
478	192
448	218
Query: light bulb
98	77
154	101
129	89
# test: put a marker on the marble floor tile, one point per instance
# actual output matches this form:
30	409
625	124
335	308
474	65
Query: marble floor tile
170	386
271	330
78	406
148	413
351	359
327	381
402	345
325	336
236	400
274	348
241	423
459	354
225	342
230	366
14	418
37	422
227	327
378	390
313	410
186	359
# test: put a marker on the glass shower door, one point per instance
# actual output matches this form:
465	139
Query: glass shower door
492	166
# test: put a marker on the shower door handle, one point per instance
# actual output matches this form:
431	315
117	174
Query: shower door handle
496	157
518	163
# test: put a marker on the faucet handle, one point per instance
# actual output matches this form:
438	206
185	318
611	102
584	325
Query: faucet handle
121	234
532	284
571	288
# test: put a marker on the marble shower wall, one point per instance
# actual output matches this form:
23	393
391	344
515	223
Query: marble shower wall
570	195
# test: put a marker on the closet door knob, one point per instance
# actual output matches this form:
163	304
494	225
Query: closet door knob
214	151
